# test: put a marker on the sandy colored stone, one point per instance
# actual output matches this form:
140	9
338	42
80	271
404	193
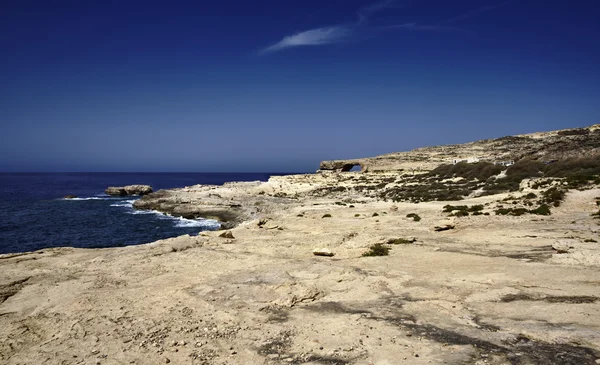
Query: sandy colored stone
489	290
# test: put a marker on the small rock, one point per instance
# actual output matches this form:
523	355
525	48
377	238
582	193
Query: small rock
323	252
227	234
70	196
444	227
167	360
562	246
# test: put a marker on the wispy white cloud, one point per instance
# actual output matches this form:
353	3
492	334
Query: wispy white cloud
344	32
330	34
312	37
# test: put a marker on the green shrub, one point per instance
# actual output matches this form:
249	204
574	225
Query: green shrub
450	208
530	196
357	215
326	216
414	216
553	196
590	240
400	241
479	170
375	214
511	211
377	249
460	213
541	210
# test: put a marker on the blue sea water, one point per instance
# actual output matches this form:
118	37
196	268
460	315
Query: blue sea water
34	215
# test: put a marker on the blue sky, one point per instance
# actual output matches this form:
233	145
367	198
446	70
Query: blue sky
280	85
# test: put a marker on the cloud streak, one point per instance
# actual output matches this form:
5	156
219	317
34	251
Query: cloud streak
330	34
312	37
345	32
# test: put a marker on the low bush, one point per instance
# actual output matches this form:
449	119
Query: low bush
326	216
479	170
450	208
378	249
414	216
530	196
541	210
462	210
553	196
590	240
357	215
511	211
400	241
375	214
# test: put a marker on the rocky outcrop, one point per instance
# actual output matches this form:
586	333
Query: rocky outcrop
231	204
70	196
543	146
341	165
128	190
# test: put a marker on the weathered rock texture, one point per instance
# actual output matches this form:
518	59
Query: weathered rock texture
495	289
491	291
545	146
128	190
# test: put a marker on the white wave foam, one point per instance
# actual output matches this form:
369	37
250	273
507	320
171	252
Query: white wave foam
180	222
124	203
204	223
94	198
135	212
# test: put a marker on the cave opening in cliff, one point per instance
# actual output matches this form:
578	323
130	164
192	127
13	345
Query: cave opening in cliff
352	168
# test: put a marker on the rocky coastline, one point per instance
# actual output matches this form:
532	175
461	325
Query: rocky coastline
458	263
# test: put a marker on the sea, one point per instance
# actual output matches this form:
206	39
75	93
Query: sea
35	215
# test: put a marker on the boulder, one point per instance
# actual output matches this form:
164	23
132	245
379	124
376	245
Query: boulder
128	190
444	225
323	252
70	196
227	234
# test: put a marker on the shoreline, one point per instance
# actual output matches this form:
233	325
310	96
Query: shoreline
494	289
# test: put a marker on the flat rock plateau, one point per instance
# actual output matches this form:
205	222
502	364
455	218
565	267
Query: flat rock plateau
485	264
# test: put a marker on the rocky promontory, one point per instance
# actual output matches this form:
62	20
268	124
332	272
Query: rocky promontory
128	190
465	263
545	146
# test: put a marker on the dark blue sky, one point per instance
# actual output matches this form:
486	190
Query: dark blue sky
280	85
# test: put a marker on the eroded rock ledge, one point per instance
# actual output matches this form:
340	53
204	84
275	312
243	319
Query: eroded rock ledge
230	204
128	190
